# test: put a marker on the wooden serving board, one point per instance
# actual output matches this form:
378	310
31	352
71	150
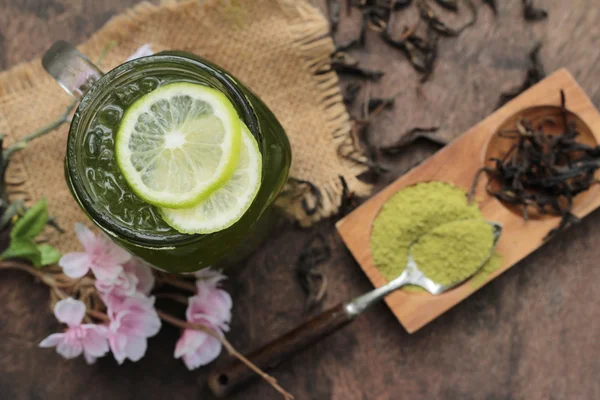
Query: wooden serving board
457	163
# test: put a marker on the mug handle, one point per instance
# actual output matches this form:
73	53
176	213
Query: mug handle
73	71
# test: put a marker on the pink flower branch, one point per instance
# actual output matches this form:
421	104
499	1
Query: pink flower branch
230	349
62	287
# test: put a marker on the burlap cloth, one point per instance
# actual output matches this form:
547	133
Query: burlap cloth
275	47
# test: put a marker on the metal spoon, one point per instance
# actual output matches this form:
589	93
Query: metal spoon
224	381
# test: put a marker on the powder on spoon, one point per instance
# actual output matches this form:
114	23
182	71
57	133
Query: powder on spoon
413	212
453	252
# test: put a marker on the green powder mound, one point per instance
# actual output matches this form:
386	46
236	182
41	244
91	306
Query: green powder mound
411	213
453	252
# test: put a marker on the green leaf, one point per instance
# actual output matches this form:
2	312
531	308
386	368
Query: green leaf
50	255
23	248
32	223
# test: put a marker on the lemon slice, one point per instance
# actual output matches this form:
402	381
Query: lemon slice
178	144
227	205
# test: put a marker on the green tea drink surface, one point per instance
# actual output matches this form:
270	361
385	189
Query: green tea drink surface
102	191
106	182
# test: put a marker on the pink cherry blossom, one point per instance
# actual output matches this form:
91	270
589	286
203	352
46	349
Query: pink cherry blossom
101	255
131	323
114	293
211	307
197	348
143	272
89	339
211	276
211	304
135	277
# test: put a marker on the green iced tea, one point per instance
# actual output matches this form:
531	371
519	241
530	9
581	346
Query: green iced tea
102	190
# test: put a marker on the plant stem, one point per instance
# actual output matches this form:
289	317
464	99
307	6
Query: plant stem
20	144
173	296
230	349
10	212
178	284
105	51
8	264
98	315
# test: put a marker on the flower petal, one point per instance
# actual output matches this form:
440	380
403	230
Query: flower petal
117	344
69	348
106	271
75	265
94	342
52	340
188	343
143	272
203	355
112	252
136	348
136	316
113	302
88	358
70	311
210	304
210	276
86	237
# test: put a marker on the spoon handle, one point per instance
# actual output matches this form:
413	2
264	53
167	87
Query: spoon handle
226	380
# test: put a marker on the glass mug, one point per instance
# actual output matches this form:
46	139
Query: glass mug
100	189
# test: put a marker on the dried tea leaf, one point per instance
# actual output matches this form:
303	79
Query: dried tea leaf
532	13
451	5
311	279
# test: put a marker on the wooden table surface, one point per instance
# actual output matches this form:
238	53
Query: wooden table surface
534	333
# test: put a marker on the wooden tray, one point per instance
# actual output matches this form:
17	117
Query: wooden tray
457	163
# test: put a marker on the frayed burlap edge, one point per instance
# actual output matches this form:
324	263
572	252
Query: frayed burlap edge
310	31
24	76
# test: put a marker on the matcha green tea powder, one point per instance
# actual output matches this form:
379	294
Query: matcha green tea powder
452	252
416	211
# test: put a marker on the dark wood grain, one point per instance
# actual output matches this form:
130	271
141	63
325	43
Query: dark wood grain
234	376
531	334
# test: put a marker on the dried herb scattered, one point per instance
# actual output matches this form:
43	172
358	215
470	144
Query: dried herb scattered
542	171
376	102
428	15
348	200
451	5
302	186
415	48
421	50
492	4
410	137
343	48
360	136
313	281
435	23
532	13
400	4
334	9
351	92
356	71
535	73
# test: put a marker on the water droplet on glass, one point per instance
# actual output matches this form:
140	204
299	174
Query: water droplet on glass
148	84
93	145
110	115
